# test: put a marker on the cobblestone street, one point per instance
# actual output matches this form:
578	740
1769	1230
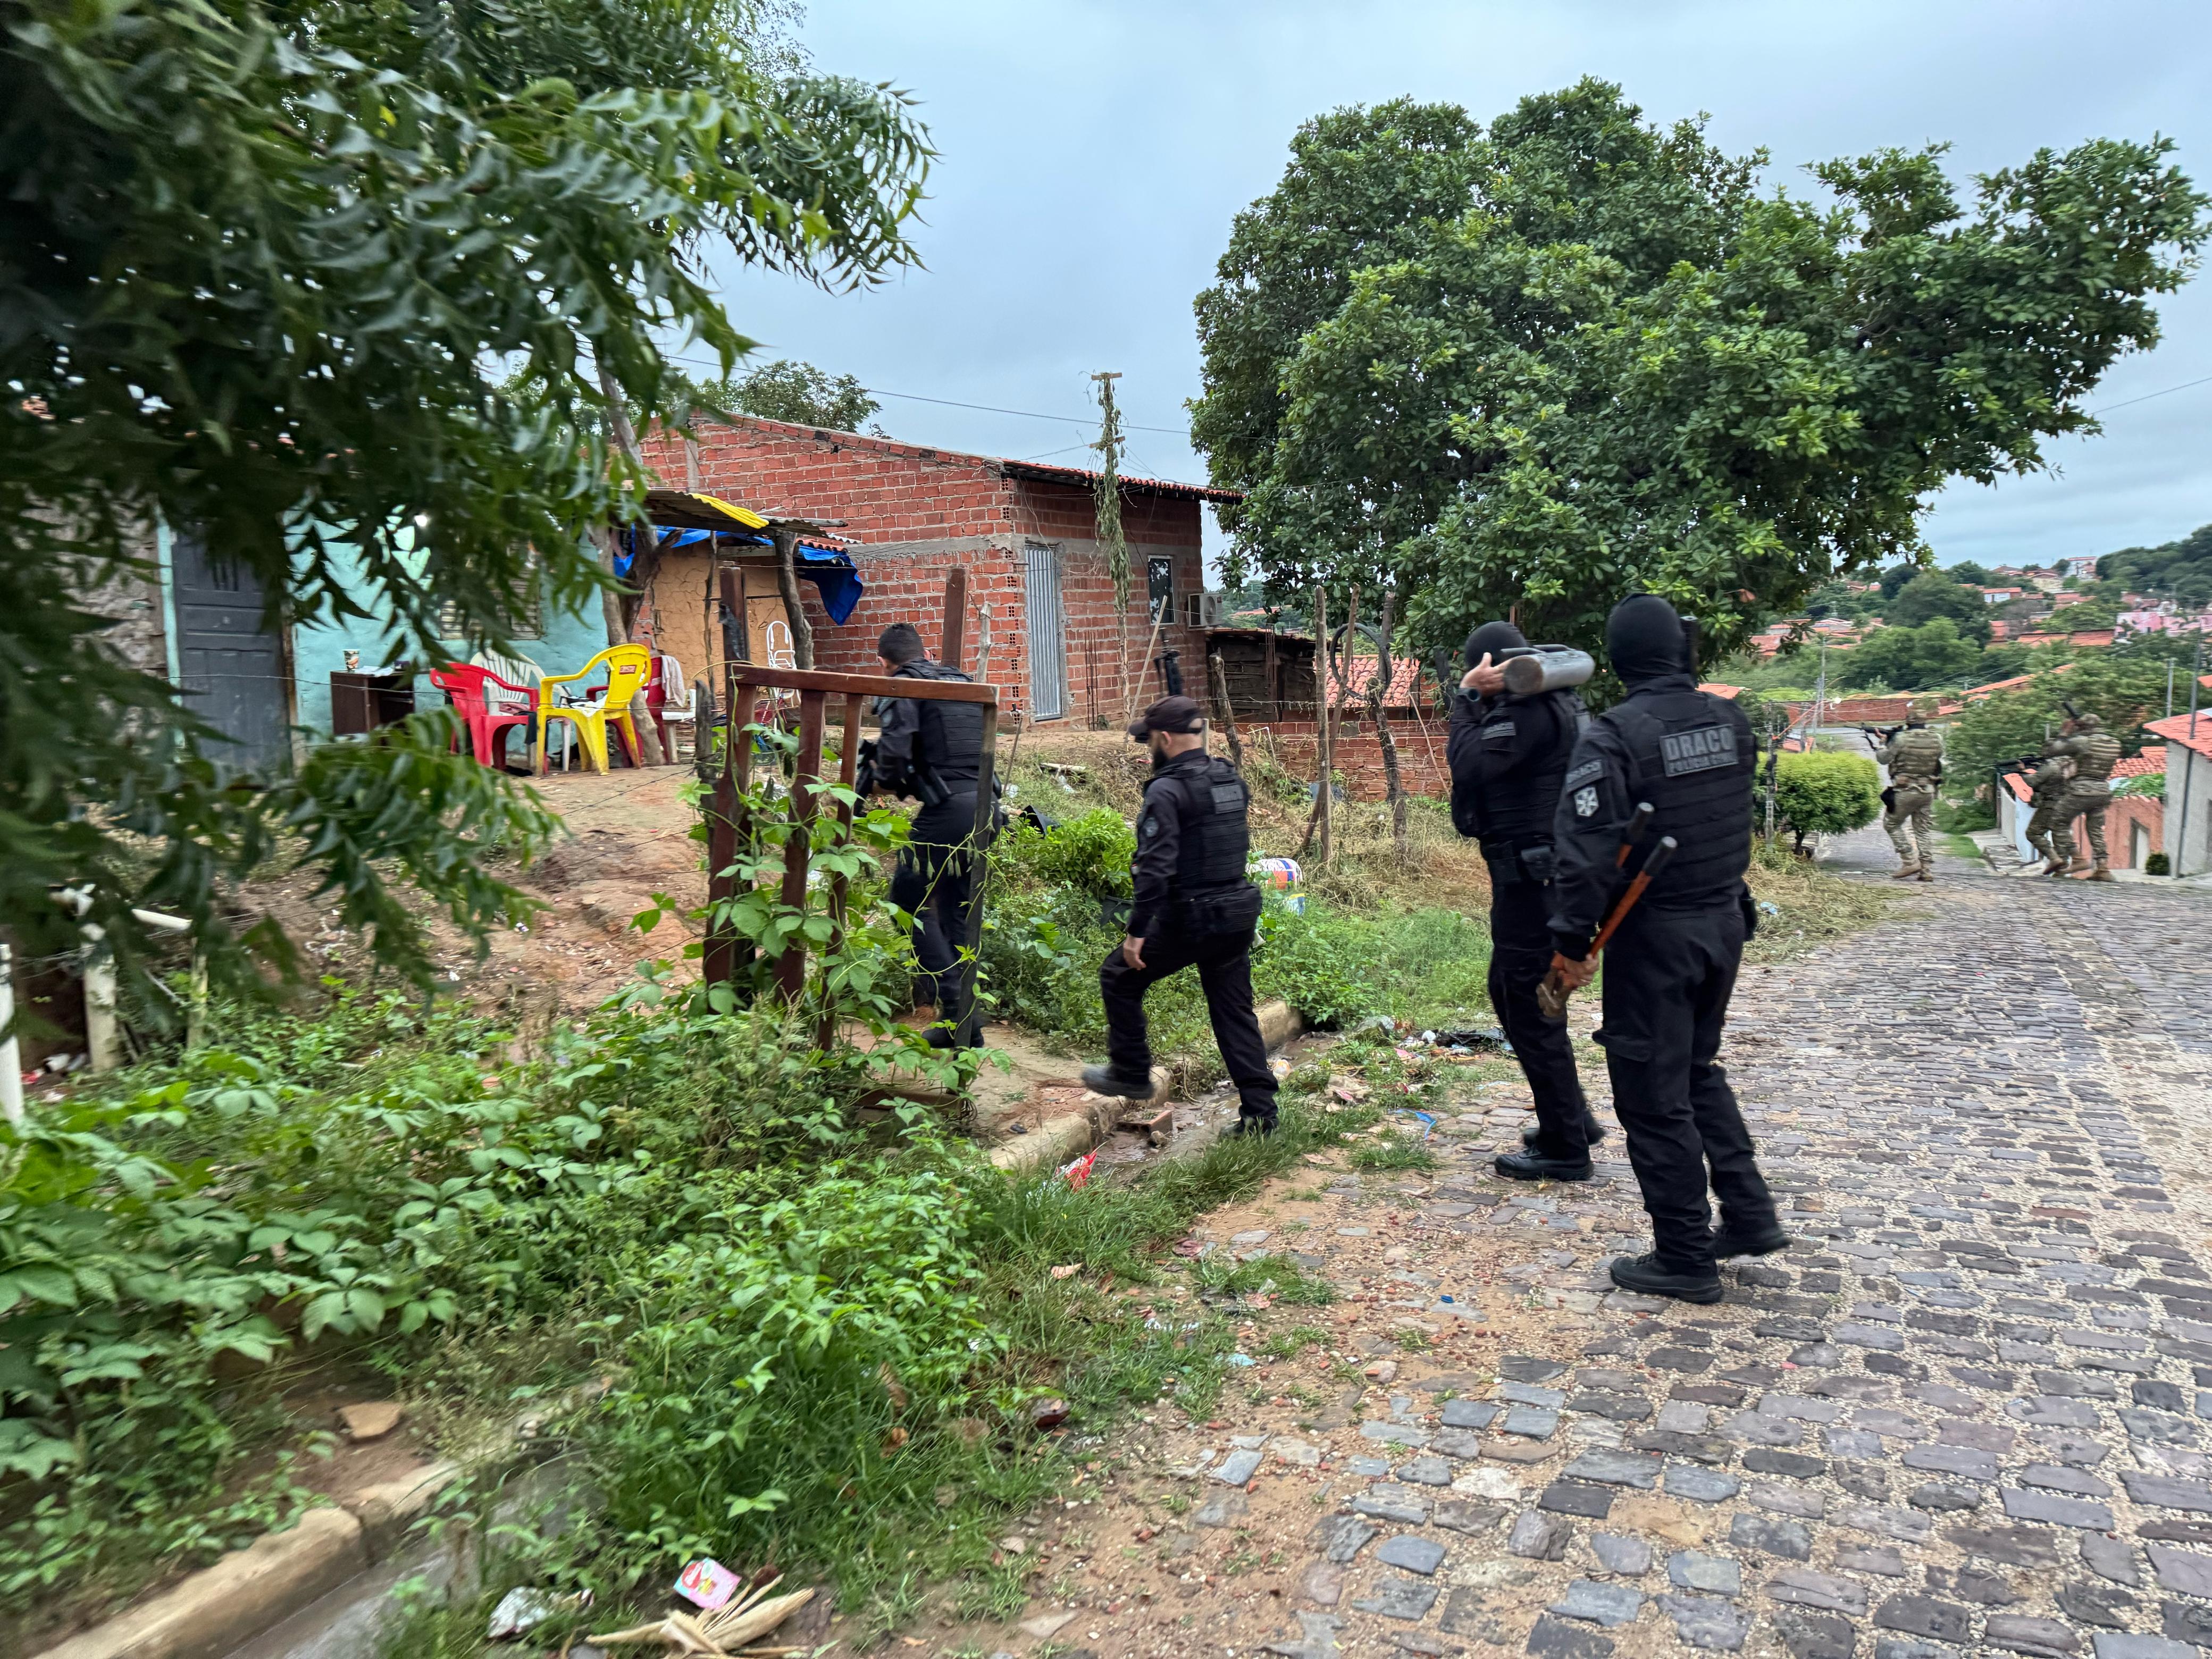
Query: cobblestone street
1967	1413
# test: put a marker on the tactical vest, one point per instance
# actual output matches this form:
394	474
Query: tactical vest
949	746
1691	754
1519	814
1217	836
2095	754
1916	754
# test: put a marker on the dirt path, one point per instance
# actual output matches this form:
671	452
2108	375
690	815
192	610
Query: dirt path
1960	1415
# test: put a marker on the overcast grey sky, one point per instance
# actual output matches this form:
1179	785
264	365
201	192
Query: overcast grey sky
1093	155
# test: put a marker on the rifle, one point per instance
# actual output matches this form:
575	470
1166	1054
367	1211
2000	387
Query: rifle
2072	713
1871	732
1171	668
1552	995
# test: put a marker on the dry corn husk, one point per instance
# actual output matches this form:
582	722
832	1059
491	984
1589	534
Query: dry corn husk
758	1620
723	1632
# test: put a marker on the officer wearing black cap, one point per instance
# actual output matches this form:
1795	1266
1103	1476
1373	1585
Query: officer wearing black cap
933	752
1508	755
1192	903
1670	969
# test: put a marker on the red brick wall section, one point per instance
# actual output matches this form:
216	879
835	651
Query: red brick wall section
1097	646
1421	764
889	492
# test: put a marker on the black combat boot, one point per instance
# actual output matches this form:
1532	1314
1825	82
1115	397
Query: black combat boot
1755	1241
1102	1081
1533	1165
1252	1123
1647	1275
1593	1131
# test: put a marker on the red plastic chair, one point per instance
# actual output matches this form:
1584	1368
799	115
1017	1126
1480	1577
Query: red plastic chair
490	714
667	698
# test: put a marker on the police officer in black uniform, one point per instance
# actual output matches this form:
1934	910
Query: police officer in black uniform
1508	754
1192	903
933	752
1670	969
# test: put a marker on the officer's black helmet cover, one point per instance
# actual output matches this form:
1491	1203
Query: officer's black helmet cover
1643	639
1490	639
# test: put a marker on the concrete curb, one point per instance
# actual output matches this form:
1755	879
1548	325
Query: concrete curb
236	1599
1059	1139
223	1607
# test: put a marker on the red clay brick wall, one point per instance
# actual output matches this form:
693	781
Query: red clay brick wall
1097	646
1421	764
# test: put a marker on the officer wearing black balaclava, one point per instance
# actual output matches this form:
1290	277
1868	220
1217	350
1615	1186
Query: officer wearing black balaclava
1670	969
933	750
1508	755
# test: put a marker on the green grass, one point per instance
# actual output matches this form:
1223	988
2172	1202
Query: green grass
1394	1151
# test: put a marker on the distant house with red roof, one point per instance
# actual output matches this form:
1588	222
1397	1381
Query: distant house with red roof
2189	789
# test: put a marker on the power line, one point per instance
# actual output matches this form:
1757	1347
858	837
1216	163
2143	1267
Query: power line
988	408
2106	408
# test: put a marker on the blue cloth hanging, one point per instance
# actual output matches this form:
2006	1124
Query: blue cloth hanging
833	574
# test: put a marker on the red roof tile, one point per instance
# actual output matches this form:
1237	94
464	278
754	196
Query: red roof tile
2175	729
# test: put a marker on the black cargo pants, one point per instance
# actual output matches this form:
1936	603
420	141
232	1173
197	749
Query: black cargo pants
932	882
1520	956
1224	973
1668	975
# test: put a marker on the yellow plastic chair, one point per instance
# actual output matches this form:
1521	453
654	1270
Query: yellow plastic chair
627	669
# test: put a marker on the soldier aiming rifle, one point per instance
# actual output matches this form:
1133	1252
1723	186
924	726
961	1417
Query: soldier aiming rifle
1914	756
2095	752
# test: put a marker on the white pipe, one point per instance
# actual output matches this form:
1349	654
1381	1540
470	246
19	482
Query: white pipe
11	1056
103	1035
168	924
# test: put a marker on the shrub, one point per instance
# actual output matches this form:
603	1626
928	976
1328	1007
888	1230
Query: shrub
1090	854
1826	793
2157	864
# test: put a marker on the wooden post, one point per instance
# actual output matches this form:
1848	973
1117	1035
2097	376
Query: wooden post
1274	686
1220	673
1326	726
848	763
1378	702
980	837
791	966
725	830
953	637
737	630
795	609
1129	702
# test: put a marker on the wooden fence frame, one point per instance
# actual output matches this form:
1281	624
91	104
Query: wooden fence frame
726	823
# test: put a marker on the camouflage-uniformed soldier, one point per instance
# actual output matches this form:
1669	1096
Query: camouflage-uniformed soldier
2046	788
2095	752
1914	759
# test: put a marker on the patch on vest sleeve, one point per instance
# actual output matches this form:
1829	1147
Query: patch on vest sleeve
1586	801
1228	796
1499	731
1585	772
1705	749
1151	825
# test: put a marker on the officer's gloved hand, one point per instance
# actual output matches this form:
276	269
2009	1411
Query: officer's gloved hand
1573	973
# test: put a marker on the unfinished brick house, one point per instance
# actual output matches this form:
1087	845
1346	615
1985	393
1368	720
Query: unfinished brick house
1041	621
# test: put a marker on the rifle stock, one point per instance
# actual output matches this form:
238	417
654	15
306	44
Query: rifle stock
1552	995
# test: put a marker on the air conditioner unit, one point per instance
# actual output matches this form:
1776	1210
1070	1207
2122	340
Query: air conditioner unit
1211	611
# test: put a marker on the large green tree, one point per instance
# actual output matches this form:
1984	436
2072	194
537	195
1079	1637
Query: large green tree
1931	594
1577	355
339	284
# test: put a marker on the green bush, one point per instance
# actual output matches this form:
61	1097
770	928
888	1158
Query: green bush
1822	793
2157	864
1090	854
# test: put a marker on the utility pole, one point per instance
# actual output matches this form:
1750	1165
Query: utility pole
1820	701
2189	775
